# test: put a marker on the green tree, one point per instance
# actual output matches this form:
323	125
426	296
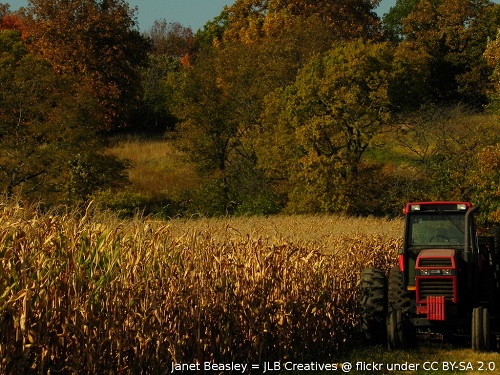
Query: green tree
393	20
207	129
218	101
317	130
250	50
96	43
42	129
213	30
450	36
171	43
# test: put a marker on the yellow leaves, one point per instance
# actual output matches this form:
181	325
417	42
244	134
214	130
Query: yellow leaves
251	21
275	23
492	52
489	159
492	55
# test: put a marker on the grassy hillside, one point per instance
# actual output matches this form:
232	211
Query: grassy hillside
420	157
156	167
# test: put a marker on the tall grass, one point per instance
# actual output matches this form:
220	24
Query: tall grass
157	167
93	294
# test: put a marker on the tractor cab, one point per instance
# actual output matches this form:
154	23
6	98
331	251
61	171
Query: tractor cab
434	242
435	263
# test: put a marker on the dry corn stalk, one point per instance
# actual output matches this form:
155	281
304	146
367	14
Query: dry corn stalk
93	294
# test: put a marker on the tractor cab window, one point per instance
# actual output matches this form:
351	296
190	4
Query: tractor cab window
436	229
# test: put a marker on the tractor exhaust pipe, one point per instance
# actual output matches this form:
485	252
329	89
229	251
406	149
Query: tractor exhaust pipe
467	245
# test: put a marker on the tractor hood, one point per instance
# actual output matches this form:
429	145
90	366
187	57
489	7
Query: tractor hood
438	258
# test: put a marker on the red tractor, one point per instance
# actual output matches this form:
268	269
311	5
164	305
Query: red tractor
447	282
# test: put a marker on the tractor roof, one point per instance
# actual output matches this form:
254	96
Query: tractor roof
437	207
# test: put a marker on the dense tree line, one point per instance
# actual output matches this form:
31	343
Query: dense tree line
283	105
70	72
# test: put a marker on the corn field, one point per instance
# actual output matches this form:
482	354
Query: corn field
89	293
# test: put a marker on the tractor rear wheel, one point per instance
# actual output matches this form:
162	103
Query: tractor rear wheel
373	304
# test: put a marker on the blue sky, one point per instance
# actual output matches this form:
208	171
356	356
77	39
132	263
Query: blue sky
192	13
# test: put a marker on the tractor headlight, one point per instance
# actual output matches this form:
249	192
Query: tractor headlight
446	272
424	272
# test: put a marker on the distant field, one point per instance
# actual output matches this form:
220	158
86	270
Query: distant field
157	168
324	232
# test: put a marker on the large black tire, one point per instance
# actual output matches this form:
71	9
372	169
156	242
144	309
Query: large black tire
486	329
373	305
399	297
400	332
480	330
395	330
477	329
